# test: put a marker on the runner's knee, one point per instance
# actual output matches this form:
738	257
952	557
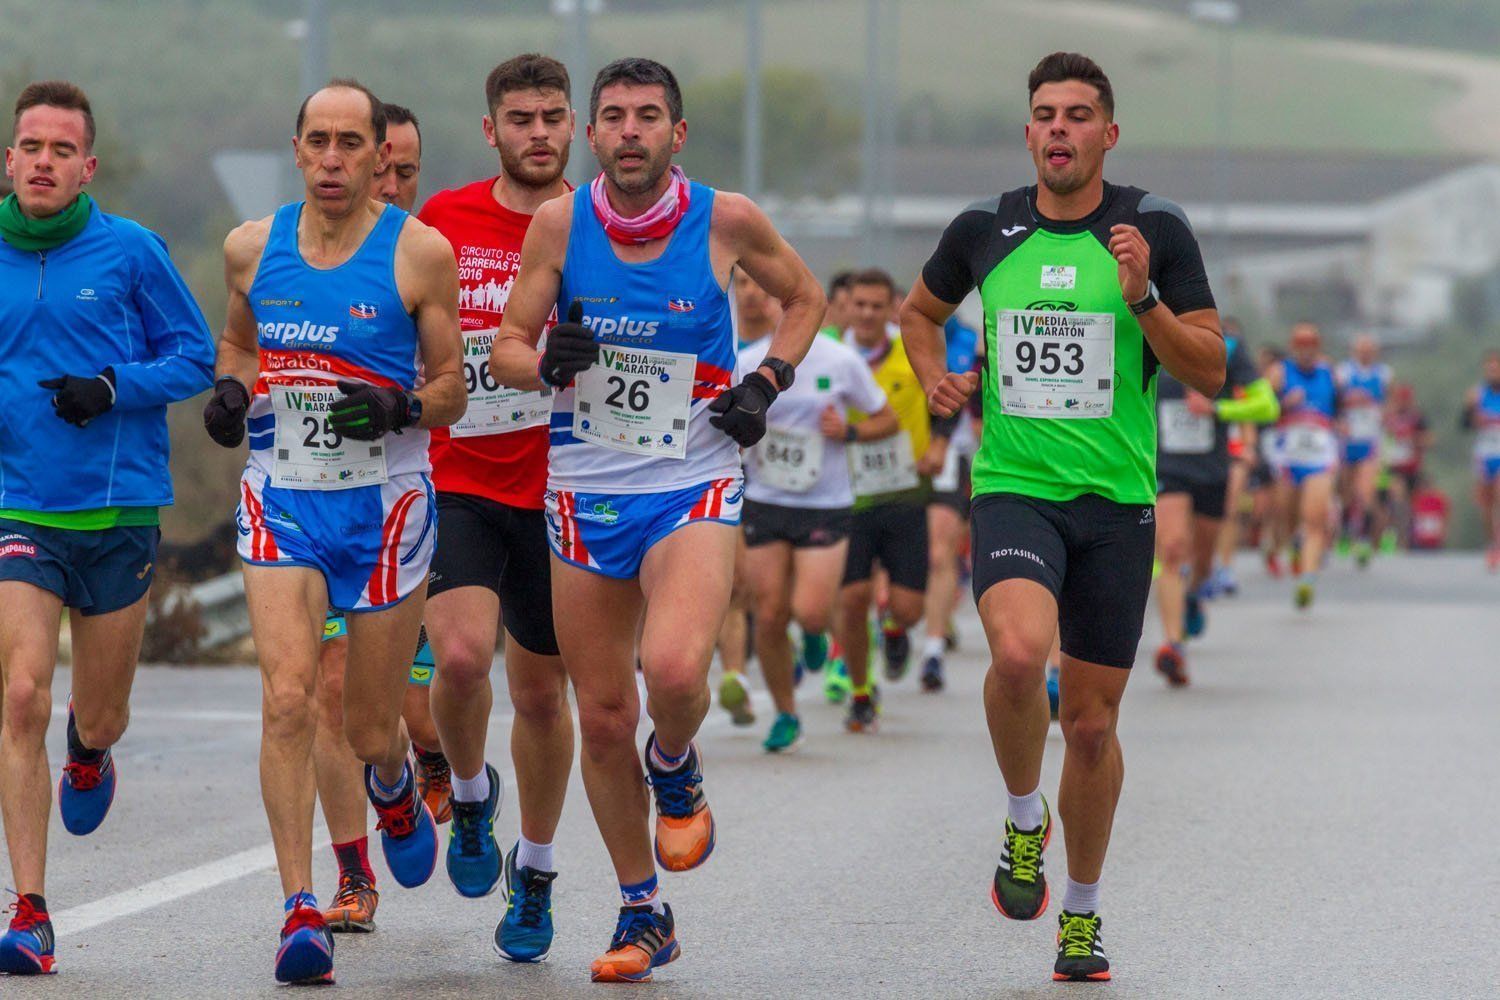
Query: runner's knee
539	698
813	616
606	726
1017	668
463	664
28	709
102	727
287	709
370	740
1090	731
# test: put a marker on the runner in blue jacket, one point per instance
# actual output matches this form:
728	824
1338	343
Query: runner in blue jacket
99	333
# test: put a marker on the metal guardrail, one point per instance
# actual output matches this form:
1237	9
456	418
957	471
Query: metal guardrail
221	608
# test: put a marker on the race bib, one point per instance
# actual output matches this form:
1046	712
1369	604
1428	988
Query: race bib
883	466
494	408
310	454
1363	423
1055	364
1183	432
1307	445
789	460
1398	451
1488	444
636	401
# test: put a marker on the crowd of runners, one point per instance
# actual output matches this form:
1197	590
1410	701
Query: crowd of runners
614	430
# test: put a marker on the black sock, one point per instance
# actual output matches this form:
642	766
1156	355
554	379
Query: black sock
37	900
428	756
76	749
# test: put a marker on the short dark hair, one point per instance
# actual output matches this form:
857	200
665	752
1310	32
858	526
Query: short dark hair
874	276
531	71
377	109
400	114
1060	66
57	94
640	73
840	282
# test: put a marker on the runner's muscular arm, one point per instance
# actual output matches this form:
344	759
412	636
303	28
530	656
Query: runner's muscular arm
513	357
752	242
425	262
239	350
1190	346
922	317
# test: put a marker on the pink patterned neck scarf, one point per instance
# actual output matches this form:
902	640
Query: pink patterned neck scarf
657	222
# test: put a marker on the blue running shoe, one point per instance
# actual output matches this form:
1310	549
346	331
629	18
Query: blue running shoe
26	948
473	856
85	791
524	934
306	953
1054	689
814	652
1193	618
408	835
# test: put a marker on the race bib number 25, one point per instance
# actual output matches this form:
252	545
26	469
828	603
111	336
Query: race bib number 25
1055	364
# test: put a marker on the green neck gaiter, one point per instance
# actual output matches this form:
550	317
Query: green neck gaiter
32	235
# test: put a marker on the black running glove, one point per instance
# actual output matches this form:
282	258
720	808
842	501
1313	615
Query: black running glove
571	348
369	412
224	413
79	400
742	410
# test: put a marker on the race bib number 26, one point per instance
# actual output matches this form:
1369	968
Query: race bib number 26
636	401
1055	364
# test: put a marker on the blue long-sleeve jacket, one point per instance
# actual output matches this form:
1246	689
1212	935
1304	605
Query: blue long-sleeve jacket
109	297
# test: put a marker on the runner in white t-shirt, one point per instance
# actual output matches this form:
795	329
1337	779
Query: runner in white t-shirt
797	506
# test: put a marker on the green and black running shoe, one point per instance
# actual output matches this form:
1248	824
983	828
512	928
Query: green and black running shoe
1080	950
1020	889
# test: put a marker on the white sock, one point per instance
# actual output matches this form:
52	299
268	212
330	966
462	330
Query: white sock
538	856
475	789
1081	897
935	646
1026	811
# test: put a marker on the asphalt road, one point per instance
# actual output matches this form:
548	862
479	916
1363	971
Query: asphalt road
1314	816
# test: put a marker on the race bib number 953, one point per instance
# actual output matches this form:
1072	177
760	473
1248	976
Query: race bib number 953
1055	364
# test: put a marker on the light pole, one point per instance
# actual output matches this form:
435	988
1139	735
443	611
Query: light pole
750	173
869	173
1223	15
314	39
582	75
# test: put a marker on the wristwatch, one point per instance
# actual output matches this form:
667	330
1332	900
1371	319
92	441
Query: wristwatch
413	409
1147	303
785	373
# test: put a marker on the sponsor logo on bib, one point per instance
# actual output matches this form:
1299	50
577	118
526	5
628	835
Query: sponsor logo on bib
1059	276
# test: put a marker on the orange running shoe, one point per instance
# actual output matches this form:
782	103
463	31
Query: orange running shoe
684	824
643	940
435	785
354	905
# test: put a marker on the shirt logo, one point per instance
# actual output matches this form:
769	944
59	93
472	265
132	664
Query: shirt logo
86	295
680	305
1012	230
362	310
1059	276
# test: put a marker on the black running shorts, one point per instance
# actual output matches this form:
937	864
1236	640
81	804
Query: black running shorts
1207	498
895	535
485	543
1093	554
803	528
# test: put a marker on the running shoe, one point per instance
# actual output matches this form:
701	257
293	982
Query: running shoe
26	948
863	714
1273	564
1193	618
814	653
435	785
408	836
685	829
1171	664
306	953
1054	689
1019	890
734	698
1303	597
524	933
1343	546
1080	949
353	908
1226	582
1389	542
85	791
836	686
1363	553
950	637
643	941
895	644
786	733
474	859
932	673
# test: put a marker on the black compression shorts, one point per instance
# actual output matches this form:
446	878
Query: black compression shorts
804	528
895	535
